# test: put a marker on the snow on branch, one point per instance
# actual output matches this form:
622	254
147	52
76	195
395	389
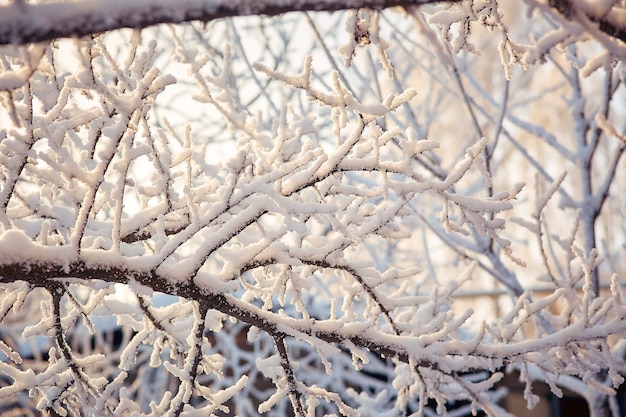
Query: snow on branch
312	261
21	22
246	239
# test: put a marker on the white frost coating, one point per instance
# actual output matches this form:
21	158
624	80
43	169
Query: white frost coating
462	167
10	81
270	366
447	17
129	355
17	247
52	13
273	400
544	45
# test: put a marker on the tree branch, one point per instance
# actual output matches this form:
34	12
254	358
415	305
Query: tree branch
22	23
294	394
610	23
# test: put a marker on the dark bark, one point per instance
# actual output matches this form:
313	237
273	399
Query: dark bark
65	20
605	23
69	20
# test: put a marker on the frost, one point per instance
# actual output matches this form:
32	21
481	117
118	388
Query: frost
17	247
221	218
10	81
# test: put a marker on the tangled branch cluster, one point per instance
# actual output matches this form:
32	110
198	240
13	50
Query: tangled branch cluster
107	214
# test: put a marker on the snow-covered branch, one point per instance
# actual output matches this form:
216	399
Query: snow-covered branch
22	22
226	219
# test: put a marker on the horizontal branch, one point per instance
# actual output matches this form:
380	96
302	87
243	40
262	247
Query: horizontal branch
46	275
22	23
461	356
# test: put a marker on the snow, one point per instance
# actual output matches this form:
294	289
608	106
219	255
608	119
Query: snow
596	8
10	81
17	247
347	224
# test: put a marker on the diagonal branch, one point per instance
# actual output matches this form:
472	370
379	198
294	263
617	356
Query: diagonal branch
609	21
